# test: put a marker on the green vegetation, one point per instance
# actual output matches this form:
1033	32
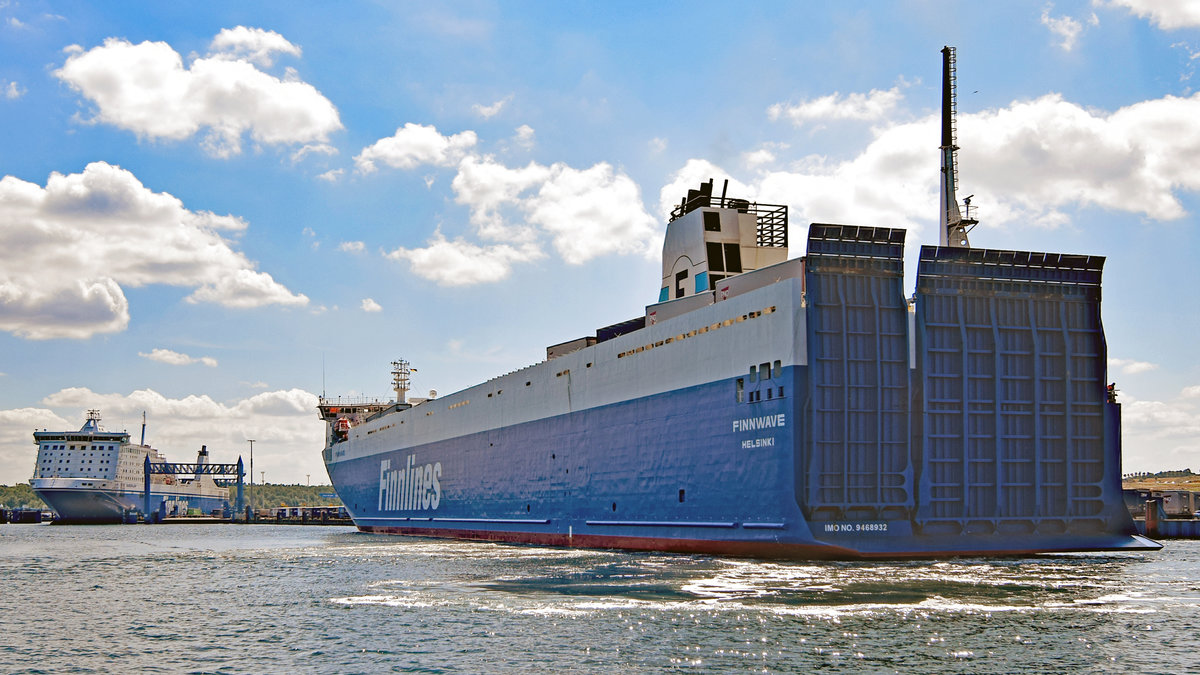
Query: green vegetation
270	496
1161	474
19	496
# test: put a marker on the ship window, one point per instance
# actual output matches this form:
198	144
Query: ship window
753	374
764	371
778	368
741	389
680	495
712	221
733	258
716	262
714	280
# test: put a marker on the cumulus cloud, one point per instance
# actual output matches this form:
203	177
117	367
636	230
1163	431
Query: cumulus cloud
67	251
12	90
1167	434
352	246
584	212
489	111
283	423
1130	366
876	105
1065	28
413	145
524	136
1165	15
1027	162
17	425
177	359
516	212
369	305
460	263
147	89
251	44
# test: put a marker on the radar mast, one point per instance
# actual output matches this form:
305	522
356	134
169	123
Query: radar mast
954	226
400	381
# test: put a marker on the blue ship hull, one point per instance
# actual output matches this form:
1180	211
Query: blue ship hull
665	473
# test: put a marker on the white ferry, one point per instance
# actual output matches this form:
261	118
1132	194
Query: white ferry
96	476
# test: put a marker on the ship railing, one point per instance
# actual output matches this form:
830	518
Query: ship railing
771	219
353	400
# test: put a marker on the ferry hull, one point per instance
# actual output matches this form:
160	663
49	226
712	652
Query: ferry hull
678	472
81	505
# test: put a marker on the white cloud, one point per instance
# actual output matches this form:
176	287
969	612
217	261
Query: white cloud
1027	162
875	105
313	149
1191	392
177	359
67	251
352	246
413	145
13	91
332	175
146	89
762	156
487	112
1165	15
581	213
251	44
459	263
17	456
1066	28
1160	434
657	145
1130	366
369	305
585	212
524	136
283	423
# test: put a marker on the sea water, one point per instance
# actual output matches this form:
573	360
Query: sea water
297	599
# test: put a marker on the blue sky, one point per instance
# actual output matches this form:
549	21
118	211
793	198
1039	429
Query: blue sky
213	212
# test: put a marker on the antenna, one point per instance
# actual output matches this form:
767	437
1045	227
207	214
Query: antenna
400	373
953	226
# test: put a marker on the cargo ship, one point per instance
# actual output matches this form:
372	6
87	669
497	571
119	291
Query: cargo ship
800	408
97	476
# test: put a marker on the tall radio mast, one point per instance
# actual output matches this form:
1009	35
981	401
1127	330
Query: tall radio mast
953	225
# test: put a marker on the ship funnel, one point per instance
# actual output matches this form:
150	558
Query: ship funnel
201	460
953	226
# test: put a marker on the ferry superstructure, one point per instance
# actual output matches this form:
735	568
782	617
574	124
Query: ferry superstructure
95	476
803	408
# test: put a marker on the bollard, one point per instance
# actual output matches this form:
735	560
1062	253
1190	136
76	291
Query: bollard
1152	518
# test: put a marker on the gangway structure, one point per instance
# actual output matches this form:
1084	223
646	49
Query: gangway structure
197	470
